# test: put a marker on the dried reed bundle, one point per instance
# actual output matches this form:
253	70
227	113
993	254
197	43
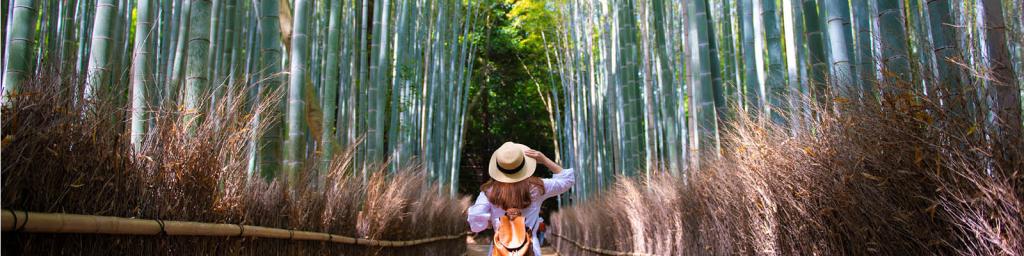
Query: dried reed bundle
66	154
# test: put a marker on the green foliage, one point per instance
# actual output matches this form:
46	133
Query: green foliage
510	73
531	17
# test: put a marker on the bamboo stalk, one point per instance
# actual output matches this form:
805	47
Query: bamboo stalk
102	38
894	53
37	222
752	86
269	66
295	141
837	27
330	89
196	80
19	40
815	47
178	64
140	70
775	78
864	56
706	137
795	61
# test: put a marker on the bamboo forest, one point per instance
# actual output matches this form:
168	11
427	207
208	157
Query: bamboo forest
414	127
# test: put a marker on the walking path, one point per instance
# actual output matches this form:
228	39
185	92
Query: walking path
481	250
477	249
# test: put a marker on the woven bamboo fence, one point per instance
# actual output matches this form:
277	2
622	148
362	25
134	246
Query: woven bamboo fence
37	222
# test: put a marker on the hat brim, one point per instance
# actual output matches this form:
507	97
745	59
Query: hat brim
529	167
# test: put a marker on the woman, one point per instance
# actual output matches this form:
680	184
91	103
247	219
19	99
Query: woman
512	185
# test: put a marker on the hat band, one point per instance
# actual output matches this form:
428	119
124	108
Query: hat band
513	170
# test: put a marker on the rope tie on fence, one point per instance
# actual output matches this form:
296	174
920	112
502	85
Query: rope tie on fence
15	219
22	228
60	223
163	230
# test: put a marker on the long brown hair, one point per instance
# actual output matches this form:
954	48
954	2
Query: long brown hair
512	195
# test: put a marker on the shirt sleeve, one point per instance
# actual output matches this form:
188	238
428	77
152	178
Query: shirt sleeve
480	214
559	183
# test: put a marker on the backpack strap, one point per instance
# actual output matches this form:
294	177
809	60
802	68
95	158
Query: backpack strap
513	212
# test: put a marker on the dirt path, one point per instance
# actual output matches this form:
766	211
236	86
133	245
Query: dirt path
481	250
477	249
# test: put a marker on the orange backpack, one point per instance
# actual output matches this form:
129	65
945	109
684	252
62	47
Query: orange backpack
512	238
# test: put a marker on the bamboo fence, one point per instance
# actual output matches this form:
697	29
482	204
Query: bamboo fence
37	222
581	246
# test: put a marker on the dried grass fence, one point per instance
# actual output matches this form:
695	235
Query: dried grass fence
894	179
63	154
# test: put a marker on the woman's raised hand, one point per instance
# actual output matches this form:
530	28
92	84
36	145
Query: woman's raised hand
542	159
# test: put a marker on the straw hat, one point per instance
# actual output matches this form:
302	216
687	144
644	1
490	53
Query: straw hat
509	164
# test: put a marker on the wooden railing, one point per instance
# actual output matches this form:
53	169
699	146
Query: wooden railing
599	250
37	222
